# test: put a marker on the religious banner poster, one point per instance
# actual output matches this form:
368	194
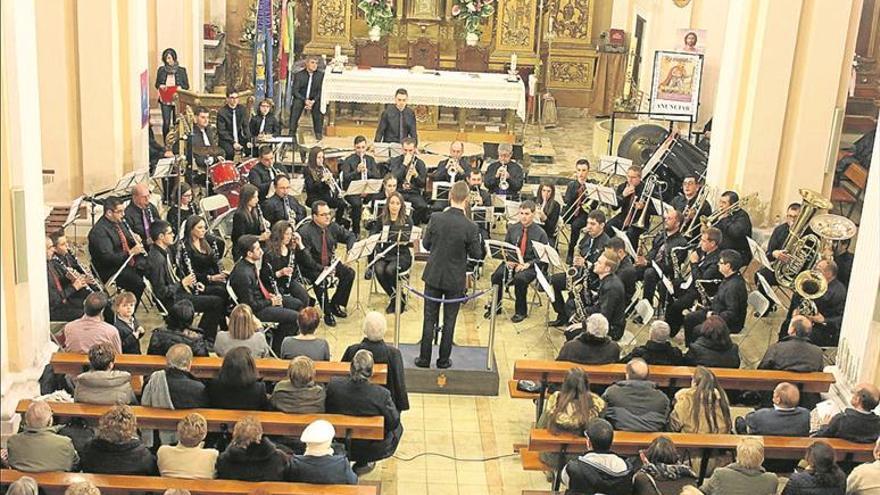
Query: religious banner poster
145	99
691	40
675	85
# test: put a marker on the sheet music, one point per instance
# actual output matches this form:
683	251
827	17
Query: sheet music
545	285
666	282
362	248
436	190
74	211
758	253
768	289
615	165
547	254
359	187
629	247
297	184
599	193
326	273
503	251
661	206
163	168
387	150
511	210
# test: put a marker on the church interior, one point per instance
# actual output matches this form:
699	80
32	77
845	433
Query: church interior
639	174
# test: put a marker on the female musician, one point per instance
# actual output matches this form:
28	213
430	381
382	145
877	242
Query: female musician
320	184
548	209
247	218
179	213
281	259
263	123
204	257
398	259
169	75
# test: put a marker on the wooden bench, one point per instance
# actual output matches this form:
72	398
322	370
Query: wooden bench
56	482
208	367
670	377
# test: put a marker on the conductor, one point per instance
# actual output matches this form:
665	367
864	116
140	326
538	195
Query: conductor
452	238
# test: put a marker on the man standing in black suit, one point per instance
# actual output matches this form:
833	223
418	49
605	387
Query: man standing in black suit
307	86
110	245
398	122
358	166
452	238
232	125
140	213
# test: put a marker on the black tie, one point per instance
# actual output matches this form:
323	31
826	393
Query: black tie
401	127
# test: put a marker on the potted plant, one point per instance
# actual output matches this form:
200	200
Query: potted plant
472	12
379	16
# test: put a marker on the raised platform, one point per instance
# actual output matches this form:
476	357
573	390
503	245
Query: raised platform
467	376
350	129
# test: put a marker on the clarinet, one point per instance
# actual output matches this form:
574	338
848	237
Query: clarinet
272	279
263	220
71	273
287	209
214	249
189	268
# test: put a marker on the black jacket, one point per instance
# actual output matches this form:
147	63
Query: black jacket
552	221
636	405
251	397
163	338
257	462
587	478
442	173
105	247
624	203
734	230
135	218
321	470
187	392
852	425
573	198
350	172
731	301
312	237
385	354
346	396
180	78
831	306
63	301
274	210
164	287
680	203
402	254
271	125
242	224
451	238
794	422
224	125
793	353
707	269
777	239
664	251
588	349
661	353
389	125
707	353
131	457
130	343
611	303
301	84
590	248
261	177
245	283
809	483
535	234
514	182
397	168
198	141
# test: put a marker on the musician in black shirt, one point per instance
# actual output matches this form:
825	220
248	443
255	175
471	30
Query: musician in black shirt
140	213
685	203
828	318
775	245
282	259
232	125
263	123
112	245
282	205
412	175
547	210
666	251
204	255
735	226
589	250
178	212
626	271
610	299
630	205
322	184
358	166
68	263
729	302
704	266
505	177
574	198
247	219
397	259
263	174
67	293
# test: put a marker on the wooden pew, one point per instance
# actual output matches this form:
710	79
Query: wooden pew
56	482
629	443
672	377
208	367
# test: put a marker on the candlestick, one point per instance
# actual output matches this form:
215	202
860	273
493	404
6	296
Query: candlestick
337	51
513	62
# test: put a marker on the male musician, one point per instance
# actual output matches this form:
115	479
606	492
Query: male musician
67	260
112	246
452	239
454	168
735	225
729	302
610	300
319	238
168	288
630	204
521	275
358	166
590	248
775	251
249	289
704	266
307	85
505	172
839	251
66	294
479	197
666	251
204	135
685	203
282	205
575	196
397	122
264	172
232	125
140	213
412	175
829	308
626	271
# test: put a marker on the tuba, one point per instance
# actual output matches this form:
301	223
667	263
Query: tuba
803	249
810	285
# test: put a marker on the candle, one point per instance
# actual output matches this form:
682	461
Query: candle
550	25
337	52
513	62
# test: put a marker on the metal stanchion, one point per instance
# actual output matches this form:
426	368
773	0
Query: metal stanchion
397	314
491	330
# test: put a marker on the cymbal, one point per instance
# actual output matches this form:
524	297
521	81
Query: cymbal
442	148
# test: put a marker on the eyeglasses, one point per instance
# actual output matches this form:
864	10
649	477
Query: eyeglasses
325	214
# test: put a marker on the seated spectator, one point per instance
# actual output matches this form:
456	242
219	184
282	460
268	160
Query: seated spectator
713	348
178	330
658	349
129	328
116	448
82	488
306	343
858	423
81	334
319	464
569	410
356	396
785	418
24	486
599	470
102	384
175	387
374	328
244	331
188	459
635	404
745	476
251	456
865	479
822	476
39	448
237	385
661	471
299	394
795	352
701	408
592	346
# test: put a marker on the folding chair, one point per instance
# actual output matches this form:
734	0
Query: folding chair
212	205
758	304
151	296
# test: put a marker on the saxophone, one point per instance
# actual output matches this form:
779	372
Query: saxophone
411	171
574	288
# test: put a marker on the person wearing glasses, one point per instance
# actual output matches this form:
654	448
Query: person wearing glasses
113	247
729	302
775	251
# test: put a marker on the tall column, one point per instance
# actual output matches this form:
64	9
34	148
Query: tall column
135	66
180	25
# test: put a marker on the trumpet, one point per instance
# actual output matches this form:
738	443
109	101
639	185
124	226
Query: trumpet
453	168
411	171
503	183
327	177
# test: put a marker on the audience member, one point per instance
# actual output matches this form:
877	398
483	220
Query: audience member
658	349
188	459
713	347
592	346
701	408
356	396
745	476
116	448
635	404
785	418
102	384
599	470
130	330
662	470
299	394
237	385
306	343
244	331
865	479
795	352
858	423
374	328
80	335
25	486
175	387
178	330
176	491
251	456
82	488
39	448
319	464
822	476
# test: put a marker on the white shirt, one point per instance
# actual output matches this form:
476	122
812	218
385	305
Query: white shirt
234	127
205	138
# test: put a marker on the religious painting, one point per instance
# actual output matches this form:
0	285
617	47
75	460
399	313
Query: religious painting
145	99
427	10
691	40
675	86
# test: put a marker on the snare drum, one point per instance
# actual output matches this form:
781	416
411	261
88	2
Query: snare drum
223	173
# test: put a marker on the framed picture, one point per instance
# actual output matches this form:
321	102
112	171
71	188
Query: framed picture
675	85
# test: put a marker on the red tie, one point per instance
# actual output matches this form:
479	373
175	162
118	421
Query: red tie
325	254
524	241
57	282
262	287
124	242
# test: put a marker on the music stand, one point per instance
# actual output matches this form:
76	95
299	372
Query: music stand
360	249
440	190
511	210
614	165
547	254
387	150
670	289
661	206
759	254
361	187
768	290
626	242
602	194
503	252
480	216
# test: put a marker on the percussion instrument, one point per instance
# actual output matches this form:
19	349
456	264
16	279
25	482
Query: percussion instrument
223	173
244	168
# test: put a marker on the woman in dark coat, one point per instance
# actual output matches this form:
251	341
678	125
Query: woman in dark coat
169	75
178	330
713	348
822	476
356	396
374	335
251	456
116	448
662	471
237	385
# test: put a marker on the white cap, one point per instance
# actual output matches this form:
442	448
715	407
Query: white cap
320	431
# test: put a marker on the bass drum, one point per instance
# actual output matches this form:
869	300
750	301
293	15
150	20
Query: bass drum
232	191
244	169
223	173
640	142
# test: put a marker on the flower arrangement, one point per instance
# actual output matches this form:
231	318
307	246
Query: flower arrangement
378	14
473	12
